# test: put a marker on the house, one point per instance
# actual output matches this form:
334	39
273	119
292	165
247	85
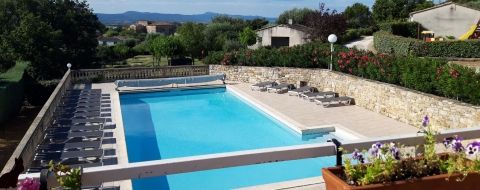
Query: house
109	41
164	28
143	26
282	35
449	19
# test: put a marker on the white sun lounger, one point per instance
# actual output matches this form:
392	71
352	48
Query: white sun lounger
301	90
325	102
313	95
262	86
281	88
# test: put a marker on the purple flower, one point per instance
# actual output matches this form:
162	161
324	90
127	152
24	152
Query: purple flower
377	145
357	155
473	148
395	152
425	121
375	150
455	143
29	184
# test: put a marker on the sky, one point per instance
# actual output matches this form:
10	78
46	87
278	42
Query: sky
266	8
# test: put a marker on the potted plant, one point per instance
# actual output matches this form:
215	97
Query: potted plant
68	178
385	167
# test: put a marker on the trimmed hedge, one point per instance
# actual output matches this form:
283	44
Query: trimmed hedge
427	75
405	29
385	42
11	91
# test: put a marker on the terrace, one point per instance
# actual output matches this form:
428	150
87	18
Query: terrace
356	126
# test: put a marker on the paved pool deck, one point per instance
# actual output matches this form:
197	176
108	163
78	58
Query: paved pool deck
299	113
306	114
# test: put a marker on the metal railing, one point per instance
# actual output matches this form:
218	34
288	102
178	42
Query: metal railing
98	175
110	75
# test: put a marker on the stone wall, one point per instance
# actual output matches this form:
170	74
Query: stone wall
400	103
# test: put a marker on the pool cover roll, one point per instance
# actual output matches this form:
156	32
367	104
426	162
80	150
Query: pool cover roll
168	81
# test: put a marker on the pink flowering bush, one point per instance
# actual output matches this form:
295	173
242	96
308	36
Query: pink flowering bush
29	184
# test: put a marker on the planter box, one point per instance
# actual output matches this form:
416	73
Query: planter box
438	182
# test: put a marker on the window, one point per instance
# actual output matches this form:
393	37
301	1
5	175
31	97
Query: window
280	41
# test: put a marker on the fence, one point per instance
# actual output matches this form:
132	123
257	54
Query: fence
97	175
110	75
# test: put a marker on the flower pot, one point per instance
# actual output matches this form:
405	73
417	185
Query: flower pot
438	182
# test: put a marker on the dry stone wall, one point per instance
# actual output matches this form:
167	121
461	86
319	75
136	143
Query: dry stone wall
400	103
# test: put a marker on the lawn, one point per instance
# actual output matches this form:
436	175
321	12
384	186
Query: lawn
144	61
14	74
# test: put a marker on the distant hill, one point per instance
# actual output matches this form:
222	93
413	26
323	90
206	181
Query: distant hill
132	16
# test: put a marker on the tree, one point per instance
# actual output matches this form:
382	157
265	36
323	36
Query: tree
192	36
257	23
49	34
237	23
169	46
217	33
391	10
358	16
325	22
297	15
248	37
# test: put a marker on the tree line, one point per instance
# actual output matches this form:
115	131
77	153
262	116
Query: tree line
48	34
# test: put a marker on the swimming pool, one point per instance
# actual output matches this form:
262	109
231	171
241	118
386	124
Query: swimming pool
161	125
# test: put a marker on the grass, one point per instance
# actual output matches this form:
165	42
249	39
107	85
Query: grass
13	74
144	61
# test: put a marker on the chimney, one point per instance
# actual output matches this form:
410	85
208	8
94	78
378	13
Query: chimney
290	21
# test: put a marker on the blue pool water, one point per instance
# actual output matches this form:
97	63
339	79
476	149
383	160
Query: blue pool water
176	124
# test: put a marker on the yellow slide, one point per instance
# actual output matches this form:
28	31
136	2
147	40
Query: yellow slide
469	33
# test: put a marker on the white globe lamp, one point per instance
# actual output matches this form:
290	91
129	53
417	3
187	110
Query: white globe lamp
69	65
332	38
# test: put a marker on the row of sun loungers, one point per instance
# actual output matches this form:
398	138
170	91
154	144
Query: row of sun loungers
325	99
78	132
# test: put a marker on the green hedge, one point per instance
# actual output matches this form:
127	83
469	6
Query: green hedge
405	29
11	91
385	42
462	49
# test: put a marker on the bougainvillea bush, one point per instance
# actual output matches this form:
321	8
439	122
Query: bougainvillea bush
384	163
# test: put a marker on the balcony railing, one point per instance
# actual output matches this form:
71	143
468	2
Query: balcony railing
110	75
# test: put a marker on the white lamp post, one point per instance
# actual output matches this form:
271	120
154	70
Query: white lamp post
69	65
332	38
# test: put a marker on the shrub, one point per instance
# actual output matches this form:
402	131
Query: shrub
38	92
385	42
405	29
214	57
352	34
11	91
464	49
